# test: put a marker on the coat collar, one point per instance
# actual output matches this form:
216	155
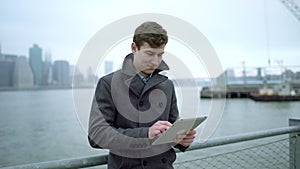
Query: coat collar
138	86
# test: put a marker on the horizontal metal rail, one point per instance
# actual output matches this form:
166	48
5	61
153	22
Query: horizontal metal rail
80	162
102	159
244	137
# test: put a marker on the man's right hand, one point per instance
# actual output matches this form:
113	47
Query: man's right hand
158	128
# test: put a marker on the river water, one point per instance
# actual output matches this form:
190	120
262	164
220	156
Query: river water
42	125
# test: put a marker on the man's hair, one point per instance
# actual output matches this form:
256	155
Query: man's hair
152	33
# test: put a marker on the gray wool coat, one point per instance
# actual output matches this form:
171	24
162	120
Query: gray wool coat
122	111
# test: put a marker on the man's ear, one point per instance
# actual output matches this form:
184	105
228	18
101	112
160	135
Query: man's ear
133	47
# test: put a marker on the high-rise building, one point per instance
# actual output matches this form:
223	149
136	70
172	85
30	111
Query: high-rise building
35	62
108	67
61	73
1	57
77	76
6	73
47	69
10	57
7	66
48	56
47	73
91	77
23	77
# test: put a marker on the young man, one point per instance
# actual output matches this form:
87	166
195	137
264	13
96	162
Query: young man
134	105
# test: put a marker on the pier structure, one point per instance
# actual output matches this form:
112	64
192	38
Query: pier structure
240	82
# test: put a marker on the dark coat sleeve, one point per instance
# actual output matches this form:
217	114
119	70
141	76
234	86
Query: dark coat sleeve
102	133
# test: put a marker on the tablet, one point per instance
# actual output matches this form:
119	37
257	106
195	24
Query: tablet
180	126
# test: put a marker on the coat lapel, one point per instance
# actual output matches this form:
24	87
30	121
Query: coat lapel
155	80
135	85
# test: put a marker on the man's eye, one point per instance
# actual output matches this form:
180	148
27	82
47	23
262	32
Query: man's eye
150	53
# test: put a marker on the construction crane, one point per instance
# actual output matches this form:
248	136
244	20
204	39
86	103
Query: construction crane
292	7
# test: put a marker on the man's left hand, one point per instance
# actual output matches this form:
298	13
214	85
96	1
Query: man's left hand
186	139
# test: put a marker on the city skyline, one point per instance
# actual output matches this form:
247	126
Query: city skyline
46	57
21	72
250	32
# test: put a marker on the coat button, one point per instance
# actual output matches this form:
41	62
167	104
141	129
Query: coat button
141	103
164	160
160	105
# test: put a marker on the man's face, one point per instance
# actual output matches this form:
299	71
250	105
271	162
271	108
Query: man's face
147	59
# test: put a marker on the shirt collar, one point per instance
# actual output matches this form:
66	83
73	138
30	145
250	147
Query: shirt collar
145	80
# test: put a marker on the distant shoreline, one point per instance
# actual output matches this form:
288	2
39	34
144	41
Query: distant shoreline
2	89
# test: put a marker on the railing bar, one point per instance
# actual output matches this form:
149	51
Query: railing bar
244	137
88	161
102	159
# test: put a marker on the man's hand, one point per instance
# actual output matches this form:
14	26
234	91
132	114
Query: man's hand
186	139
158	128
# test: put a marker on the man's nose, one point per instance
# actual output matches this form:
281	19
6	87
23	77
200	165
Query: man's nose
155	61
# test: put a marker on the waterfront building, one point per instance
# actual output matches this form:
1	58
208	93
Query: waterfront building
47	73
78	77
47	69
92	79
61	73
1	57
10	57
35	62
22	77
108	67
6	73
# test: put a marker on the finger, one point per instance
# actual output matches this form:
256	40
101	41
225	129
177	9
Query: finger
188	140
178	140
164	123
191	132
189	136
162	127
157	132
181	136
185	137
185	142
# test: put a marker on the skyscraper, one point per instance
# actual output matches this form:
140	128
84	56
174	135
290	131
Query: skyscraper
47	69
61	73
35	62
23	77
7	66
108	67
6	73
1	58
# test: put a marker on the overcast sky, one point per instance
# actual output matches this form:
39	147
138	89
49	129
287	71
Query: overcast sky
250	31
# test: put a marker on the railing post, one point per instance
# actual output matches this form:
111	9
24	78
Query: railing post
294	146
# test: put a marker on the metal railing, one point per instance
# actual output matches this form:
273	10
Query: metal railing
90	161
267	155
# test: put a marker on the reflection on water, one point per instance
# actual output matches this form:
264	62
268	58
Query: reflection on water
40	126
